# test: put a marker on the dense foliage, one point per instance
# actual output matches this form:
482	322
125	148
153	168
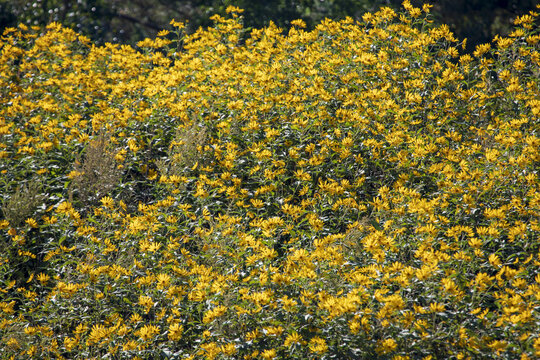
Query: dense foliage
357	191
128	21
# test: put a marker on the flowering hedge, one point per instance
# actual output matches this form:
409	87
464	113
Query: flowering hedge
358	191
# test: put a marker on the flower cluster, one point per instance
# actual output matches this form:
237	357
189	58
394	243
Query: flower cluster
361	190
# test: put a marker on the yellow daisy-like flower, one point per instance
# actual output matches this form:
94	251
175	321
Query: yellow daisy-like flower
318	345
214	313
146	302
31	222
148	332
177	24
98	333
386	346
163	281
70	343
233	9
299	23
175	332
268	354
229	349
107	202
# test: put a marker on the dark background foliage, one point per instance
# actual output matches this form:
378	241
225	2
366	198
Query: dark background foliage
128	21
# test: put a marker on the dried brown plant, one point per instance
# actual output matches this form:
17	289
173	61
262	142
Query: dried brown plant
23	202
184	152
97	173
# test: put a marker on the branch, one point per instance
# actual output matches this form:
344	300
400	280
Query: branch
137	21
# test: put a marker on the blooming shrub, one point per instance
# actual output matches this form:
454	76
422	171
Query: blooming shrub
358	191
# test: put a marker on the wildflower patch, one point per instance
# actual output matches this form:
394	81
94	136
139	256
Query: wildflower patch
361	190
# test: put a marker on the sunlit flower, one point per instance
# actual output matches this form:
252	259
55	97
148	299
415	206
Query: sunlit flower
175	332
148	332
386	346
318	345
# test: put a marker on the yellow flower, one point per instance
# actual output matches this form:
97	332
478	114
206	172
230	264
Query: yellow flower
135	318
98	333
175	332
210	315
481	49
536	346
525	20
257	203
268	354
107	202
494	260
67	288
129	345
299	23
498	346
70	343
74	174
177	24
426	7
31	222
288	304
163	281
146	302
233	9
293	339
229	349
64	207
318	345
386	346
273	330
302	175
211	350
147	332
7	307
436	307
